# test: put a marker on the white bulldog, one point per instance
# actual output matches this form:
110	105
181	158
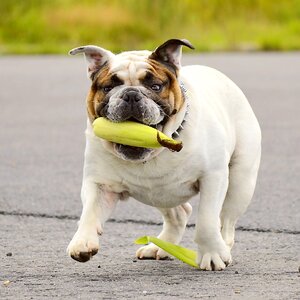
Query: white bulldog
220	156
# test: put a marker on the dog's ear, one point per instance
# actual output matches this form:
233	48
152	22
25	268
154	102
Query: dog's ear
96	57
169	53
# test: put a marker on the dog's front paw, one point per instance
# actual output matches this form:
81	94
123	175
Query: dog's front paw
213	258
151	251
83	246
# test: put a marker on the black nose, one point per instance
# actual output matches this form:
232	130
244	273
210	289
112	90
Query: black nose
132	96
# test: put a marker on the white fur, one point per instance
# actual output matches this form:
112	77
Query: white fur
220	131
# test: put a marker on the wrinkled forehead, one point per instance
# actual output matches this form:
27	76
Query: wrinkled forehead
131	66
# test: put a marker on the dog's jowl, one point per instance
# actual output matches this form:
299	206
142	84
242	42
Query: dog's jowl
218	163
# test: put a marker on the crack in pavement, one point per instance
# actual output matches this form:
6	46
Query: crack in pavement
112	220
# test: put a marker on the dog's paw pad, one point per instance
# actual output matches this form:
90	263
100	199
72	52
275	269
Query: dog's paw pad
151	252
82	249
213	261
84	256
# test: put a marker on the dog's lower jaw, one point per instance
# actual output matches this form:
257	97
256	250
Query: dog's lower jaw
148	154
117	150
130	153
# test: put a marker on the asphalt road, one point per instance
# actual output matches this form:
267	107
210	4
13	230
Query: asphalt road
42	121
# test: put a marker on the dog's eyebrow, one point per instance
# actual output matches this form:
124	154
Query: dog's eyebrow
113	80
116	80
150	79
149	76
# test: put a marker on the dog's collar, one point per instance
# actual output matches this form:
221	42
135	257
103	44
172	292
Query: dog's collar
185	96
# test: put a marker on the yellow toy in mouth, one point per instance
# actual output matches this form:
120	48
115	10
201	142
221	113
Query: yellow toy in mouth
186	255
133	134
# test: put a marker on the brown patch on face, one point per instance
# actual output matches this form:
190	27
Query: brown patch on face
171	93
97	94
90	103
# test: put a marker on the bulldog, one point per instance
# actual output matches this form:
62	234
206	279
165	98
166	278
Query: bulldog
219	161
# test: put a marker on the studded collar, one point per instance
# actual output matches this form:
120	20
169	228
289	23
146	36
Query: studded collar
184	92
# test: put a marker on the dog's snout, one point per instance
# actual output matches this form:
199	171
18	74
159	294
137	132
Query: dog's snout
132	96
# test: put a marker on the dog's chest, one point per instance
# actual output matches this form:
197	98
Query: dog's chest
167	187
163	195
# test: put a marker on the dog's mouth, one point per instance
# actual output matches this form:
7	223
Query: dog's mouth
132	152
158	126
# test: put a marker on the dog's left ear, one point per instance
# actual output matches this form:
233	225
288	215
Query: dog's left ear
96	57
169	53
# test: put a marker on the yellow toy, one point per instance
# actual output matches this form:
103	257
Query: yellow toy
133	134
184	254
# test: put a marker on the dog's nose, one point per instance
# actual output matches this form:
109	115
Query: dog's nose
132	96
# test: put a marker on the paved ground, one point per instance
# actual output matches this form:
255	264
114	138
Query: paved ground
42	119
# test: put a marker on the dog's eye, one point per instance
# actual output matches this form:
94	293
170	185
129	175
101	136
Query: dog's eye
156	87
107	89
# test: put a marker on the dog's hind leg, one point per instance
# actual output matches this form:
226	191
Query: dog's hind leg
175	220
242	180
98	204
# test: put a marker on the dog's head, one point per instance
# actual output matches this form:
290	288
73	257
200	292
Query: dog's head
136	85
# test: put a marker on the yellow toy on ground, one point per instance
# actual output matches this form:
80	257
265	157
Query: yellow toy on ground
184	254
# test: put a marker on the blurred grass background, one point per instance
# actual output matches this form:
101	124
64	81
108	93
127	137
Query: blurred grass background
55	26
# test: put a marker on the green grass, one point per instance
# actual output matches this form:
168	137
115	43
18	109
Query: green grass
43	26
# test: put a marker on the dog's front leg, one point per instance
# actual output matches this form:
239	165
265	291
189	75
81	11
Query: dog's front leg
213	253
98	204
